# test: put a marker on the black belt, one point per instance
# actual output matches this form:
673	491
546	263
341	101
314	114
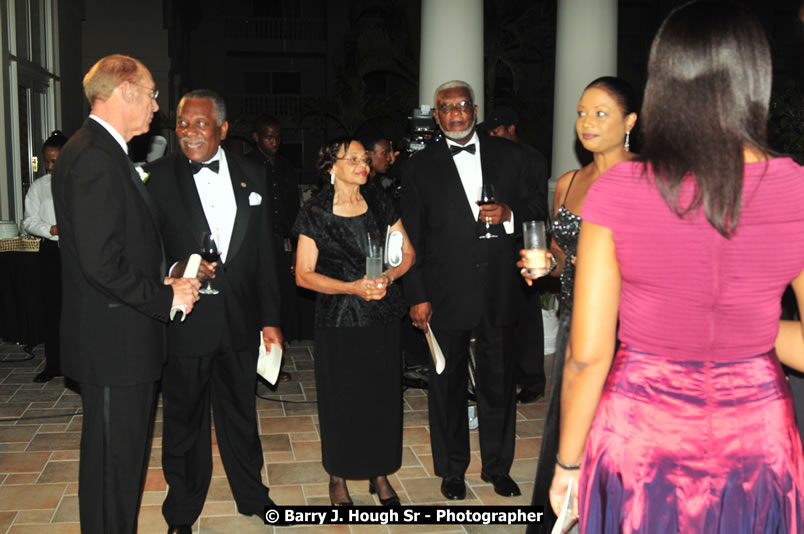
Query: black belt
47	243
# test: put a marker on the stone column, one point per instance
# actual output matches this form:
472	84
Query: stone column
451	47
586	48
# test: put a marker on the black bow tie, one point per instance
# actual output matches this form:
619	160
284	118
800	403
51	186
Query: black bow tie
456	149
214	166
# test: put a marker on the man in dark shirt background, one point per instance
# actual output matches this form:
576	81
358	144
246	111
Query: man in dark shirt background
283	188
502	122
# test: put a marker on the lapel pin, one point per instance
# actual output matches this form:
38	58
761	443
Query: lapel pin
243	184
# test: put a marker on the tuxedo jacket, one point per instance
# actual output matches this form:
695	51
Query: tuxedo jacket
247	280
114	305
459	274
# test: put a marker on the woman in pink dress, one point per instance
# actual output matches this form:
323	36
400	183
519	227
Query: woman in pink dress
689	427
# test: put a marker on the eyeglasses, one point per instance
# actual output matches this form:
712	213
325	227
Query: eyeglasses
464	106
154	91
355	161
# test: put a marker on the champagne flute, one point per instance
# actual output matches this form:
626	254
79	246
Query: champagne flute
486	196
209	251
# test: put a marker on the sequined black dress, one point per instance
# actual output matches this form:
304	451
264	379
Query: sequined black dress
358	367
565	232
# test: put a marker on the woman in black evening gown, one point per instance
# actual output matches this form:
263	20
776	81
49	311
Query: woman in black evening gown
606	116
358	366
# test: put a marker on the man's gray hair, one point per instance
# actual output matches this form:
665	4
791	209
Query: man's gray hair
217	101
451	85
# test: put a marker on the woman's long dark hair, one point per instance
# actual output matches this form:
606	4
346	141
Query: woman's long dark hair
709	83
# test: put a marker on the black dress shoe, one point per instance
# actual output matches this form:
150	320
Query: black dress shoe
527	396
453	488
180	529
503	484
44	376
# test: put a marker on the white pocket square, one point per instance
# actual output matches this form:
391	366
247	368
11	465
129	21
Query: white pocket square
254	199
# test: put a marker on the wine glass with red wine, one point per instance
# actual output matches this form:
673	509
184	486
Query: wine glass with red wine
209	252
486	196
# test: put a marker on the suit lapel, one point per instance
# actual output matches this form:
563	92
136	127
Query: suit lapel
115	148
188	193
452	182
241	192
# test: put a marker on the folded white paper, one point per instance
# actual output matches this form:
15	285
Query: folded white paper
268	363
190	271
435	351
567	521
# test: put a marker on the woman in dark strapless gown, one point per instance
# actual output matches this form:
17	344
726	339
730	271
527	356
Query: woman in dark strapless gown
606	117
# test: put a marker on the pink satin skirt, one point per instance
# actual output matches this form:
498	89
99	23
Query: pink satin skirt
693	447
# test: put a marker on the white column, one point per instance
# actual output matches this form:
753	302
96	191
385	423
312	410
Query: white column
451	47
586	48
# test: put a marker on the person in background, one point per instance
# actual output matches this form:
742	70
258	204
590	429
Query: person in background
606	116
116	299
358	368
529	331
692	416
282	186
40	221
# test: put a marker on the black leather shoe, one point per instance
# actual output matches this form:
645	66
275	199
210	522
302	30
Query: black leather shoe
43	377
453	488
180	529
503	484
526	396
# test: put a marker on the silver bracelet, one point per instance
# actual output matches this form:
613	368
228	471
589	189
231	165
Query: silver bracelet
554	265
568	467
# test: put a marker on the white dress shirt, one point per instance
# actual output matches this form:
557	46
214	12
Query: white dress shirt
114	133
39	212
471	173
218	200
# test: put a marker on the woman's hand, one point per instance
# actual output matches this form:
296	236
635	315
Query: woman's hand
368	289
559	487
535	263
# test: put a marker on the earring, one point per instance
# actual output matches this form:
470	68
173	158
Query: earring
332	178
627	145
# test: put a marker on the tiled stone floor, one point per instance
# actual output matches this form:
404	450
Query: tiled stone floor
40	434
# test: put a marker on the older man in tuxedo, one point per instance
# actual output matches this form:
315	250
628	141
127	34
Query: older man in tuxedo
115	298
463	283
212	356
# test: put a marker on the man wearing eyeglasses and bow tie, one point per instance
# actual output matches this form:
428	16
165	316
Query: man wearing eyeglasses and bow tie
465	281
212	355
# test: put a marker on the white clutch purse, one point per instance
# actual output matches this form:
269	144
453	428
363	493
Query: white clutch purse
393	248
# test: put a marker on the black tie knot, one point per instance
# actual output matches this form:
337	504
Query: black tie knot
456	149
214	166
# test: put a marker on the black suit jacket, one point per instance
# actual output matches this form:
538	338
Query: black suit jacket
114	304
247	281
459	274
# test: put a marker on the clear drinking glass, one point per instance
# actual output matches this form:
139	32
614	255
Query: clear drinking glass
535	238
374	260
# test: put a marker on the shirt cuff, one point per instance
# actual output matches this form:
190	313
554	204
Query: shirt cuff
509	224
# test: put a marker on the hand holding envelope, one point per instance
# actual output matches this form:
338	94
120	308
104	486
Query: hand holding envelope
190	271
269	362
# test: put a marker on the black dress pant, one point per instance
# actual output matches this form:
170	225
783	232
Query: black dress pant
529	342
496	400
115	445
226	380
50	283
